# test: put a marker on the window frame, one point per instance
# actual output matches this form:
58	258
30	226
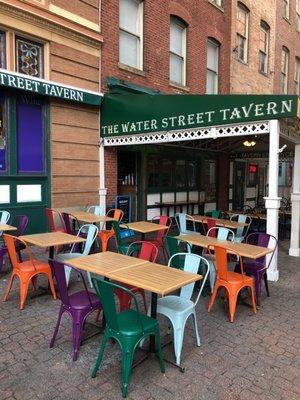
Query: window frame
297	76
217	2
140	36
242	36
298	16
286	9
42	66
3	56
216	44
183	56
265	28
285	55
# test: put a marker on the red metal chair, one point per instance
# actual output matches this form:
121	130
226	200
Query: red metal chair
55	220
146	251
159	241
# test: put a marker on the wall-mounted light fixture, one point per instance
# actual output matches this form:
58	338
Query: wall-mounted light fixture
248	143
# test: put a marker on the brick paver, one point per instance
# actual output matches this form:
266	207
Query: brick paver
256	357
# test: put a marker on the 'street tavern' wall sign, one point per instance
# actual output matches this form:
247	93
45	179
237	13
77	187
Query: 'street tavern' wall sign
136	114
40	86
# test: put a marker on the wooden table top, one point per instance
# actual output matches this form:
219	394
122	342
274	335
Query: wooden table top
91	218
155	278
104	263
50	239
144	226
5	227
243	249
219	221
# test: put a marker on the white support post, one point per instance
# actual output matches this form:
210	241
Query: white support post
102	188
295	197
273	201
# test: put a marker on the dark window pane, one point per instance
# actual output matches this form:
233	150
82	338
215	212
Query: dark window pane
29	57
2	50
152	171
167	168
191	174
209	179
30	135
3	137
180	176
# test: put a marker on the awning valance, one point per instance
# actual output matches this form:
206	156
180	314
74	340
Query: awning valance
141	114
30	84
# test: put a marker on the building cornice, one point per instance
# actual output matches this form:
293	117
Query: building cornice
53	23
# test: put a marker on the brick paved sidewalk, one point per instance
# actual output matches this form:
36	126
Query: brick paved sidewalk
256	357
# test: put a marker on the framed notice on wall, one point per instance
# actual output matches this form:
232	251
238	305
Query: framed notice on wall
124	203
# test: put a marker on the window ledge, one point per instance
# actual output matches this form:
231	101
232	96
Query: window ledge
287	20
266	74
178	86
242	62
131	69
220	8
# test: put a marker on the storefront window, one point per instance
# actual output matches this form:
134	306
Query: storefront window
29	57
3	141
191	173
152	171
180	177
209	180
2	50
167	169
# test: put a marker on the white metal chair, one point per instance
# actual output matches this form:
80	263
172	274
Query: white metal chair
182	220
241	231
91	231
4	218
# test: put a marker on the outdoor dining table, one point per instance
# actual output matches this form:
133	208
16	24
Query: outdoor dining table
157	279
243	249
220	222
90	217
144	227
6	227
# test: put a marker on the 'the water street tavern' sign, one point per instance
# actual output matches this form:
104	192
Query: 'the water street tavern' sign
136	114
40	86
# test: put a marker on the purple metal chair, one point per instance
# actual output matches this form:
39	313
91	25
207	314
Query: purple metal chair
258	268
21	222
78	305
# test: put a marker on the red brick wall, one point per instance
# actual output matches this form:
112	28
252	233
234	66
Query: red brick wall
290	38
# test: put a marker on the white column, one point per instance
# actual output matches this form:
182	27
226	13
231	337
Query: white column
102	188
273	201
295	198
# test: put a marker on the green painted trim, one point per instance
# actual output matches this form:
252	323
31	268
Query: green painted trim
118	86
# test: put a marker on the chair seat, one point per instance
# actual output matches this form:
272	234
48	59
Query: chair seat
106	232
129	323
80	300
174	303
236	279
39	266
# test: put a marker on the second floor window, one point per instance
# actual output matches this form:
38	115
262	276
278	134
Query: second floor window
217	2
297	76
178	51
298	15
286	9
29	57
131	33
212	71
2	50
264	47
284	70
242	33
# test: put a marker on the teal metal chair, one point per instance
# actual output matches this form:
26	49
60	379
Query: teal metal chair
213	214
91	232
183	221
179	308
241	232
121	234
221	234
127	328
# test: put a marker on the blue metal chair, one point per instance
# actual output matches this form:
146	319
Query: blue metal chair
179	308
97	210
4	217
91	232
221	234
242	231
183	220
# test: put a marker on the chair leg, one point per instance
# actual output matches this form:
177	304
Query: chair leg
232	305
100	354
266	284
165	254
196	329
212	276
127	359
212	298
142	293
56	328
90	280
159	351
178	340
257	284
5	297
34	282
23	293
51	283
253	299
76	333
1	260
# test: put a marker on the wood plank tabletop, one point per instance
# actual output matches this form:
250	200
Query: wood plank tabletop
144	226
243	249
219	221
50	239
155	278
91	218
104	263
5	227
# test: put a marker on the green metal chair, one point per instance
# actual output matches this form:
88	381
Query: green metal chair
120	235
127	328
213	214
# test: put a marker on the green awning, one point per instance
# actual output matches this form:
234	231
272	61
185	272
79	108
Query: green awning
30	84
134	114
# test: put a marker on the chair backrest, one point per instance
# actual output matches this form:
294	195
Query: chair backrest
244	219
4	217
117	231
53	216
191	263
115	213
145	250
221	261
10	242
97	210
21	222
182	219
69	219
162	220
264	240
91	232
58	270
221	233
211	223
176	246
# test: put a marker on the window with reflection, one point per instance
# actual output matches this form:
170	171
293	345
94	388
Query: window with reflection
167	173
152	171
180	176
29	57
209	179
2	50
192	174
178	34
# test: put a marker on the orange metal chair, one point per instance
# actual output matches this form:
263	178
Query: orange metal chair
105	235
233	282
26	271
